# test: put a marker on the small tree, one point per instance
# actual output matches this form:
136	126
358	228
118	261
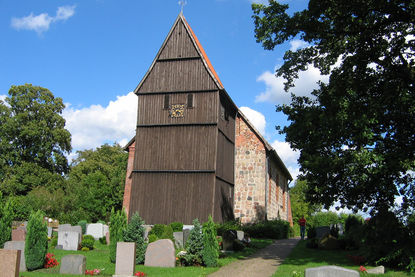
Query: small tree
36	241
210	252
6	217
194	244
135	233
118	223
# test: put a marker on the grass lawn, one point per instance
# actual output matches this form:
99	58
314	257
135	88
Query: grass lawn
302	258
99	258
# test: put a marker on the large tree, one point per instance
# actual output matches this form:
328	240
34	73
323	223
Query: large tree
356	133
33	140
299	204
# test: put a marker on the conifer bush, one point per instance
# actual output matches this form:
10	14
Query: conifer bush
36	245
6	217
118	223
167	233
158	230
210	252
176	226
83	223
135	233
194	245
88	242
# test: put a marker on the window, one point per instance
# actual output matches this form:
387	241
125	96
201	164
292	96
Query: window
166	101
190	100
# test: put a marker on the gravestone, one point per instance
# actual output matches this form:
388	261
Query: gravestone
17	245
160	253
125	259
50	232
73	264
147	229
96	230
19	234
178	238
228	239
186	234
190	227
64	228
329	271
107	237
9	262
106	229
240	235
377	270
69	240
321	231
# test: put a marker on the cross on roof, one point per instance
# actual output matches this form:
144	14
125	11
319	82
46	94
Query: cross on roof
182	3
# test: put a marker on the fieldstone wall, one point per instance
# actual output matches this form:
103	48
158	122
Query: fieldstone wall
250	174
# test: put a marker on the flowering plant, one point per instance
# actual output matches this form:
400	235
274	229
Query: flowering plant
50	261
139	274
362	269
92	272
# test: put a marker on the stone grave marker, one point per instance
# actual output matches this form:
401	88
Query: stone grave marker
17	245
328	271
69	240
321	231
96	230
240	235
65	227
377	270
107	237
186	234
9	262
228	239
73	264
50	232
125	259
147	229
190	227
19	234
106	229
178	238
160	253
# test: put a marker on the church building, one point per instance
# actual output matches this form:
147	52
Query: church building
195	154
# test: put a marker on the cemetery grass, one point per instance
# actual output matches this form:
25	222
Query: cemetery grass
99	259
302	257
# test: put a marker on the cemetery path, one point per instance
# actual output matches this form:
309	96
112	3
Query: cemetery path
263	263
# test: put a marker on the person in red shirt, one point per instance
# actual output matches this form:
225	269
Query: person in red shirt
302	223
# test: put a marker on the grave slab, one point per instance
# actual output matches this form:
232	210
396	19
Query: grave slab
240	235
96	230
9	263
17	245
377	270
69	240
19	234
178	238
321	231
73	264
329	271
160	253
186	234
125	259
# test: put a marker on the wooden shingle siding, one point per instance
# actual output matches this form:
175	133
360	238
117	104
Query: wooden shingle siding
178	75
169	197
225	159
176	148
223	204
151	108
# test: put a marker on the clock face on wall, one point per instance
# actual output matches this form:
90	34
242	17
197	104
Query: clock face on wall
177	110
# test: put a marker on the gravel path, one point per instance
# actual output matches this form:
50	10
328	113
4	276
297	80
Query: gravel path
263	263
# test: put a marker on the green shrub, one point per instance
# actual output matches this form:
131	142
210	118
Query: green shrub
83	223
238	245
210	252
118	223
274	229
101	221
311	232
36	241
158	230
176	226
194	245
6	217
135	233
324	219
88	242
85	249
167	233
152	238
54	241
103	240
351	222
228	225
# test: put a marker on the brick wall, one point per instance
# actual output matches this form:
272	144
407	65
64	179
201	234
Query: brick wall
250	174
128	178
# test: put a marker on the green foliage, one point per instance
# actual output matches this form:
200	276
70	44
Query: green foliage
96	181
210	252
88	242
36	241
299	204
324	219
152	238
176	226
135	233
6	217
356	132
194	245
167	233
274	229
118	223
103	240
85	249
83	223
311	232
351	222
53	242
158	230
222	228
33	140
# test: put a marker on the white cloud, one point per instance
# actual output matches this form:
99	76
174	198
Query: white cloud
40	23
274	91
256	118
265	2
286	153
2	97
95	125
297	44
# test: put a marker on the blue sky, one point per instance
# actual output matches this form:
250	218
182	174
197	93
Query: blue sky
93	53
